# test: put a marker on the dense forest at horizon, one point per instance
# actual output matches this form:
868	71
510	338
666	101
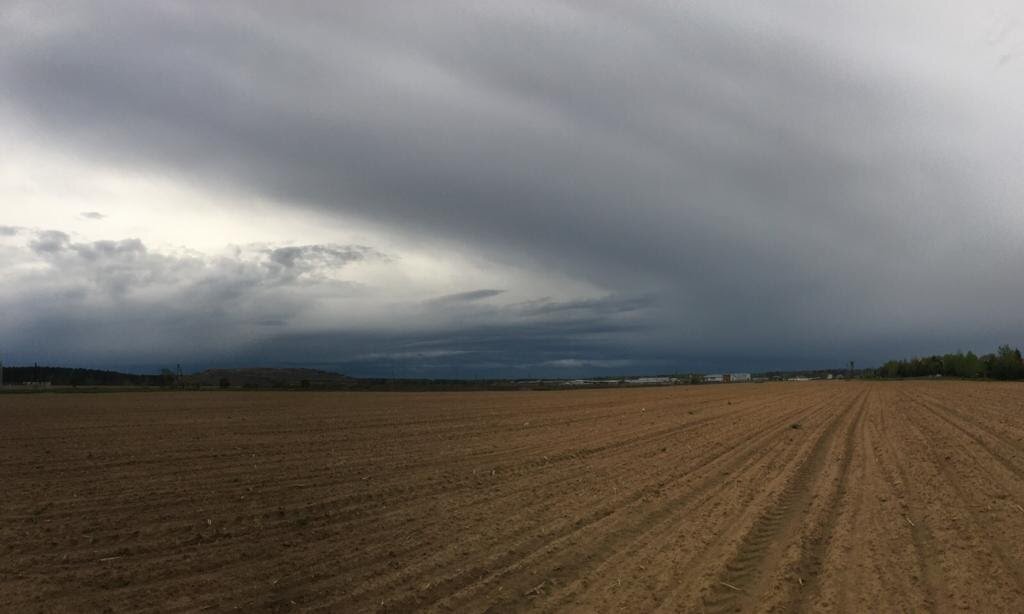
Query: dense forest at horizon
1005	364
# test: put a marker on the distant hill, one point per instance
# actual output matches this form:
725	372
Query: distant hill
264	377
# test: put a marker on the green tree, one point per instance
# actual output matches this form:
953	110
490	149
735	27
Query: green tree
1007	364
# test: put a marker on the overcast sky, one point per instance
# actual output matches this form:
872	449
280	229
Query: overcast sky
509	188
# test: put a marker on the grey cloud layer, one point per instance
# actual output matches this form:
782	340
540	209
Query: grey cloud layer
777	183
120	301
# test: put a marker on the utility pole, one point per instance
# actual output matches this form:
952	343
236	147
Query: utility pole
851	369
179	380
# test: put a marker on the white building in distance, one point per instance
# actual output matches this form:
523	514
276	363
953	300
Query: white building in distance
726	378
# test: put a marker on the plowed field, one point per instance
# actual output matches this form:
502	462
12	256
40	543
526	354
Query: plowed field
822	496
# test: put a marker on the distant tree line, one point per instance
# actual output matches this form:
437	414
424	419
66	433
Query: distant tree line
814	373
1004	364
65	376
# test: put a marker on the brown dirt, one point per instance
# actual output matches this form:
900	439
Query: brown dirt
890	496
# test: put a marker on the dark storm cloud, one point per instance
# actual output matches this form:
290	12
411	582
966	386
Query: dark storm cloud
467	297
508	347
599	307
94	300
756	183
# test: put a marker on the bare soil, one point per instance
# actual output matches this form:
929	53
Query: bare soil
823	496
